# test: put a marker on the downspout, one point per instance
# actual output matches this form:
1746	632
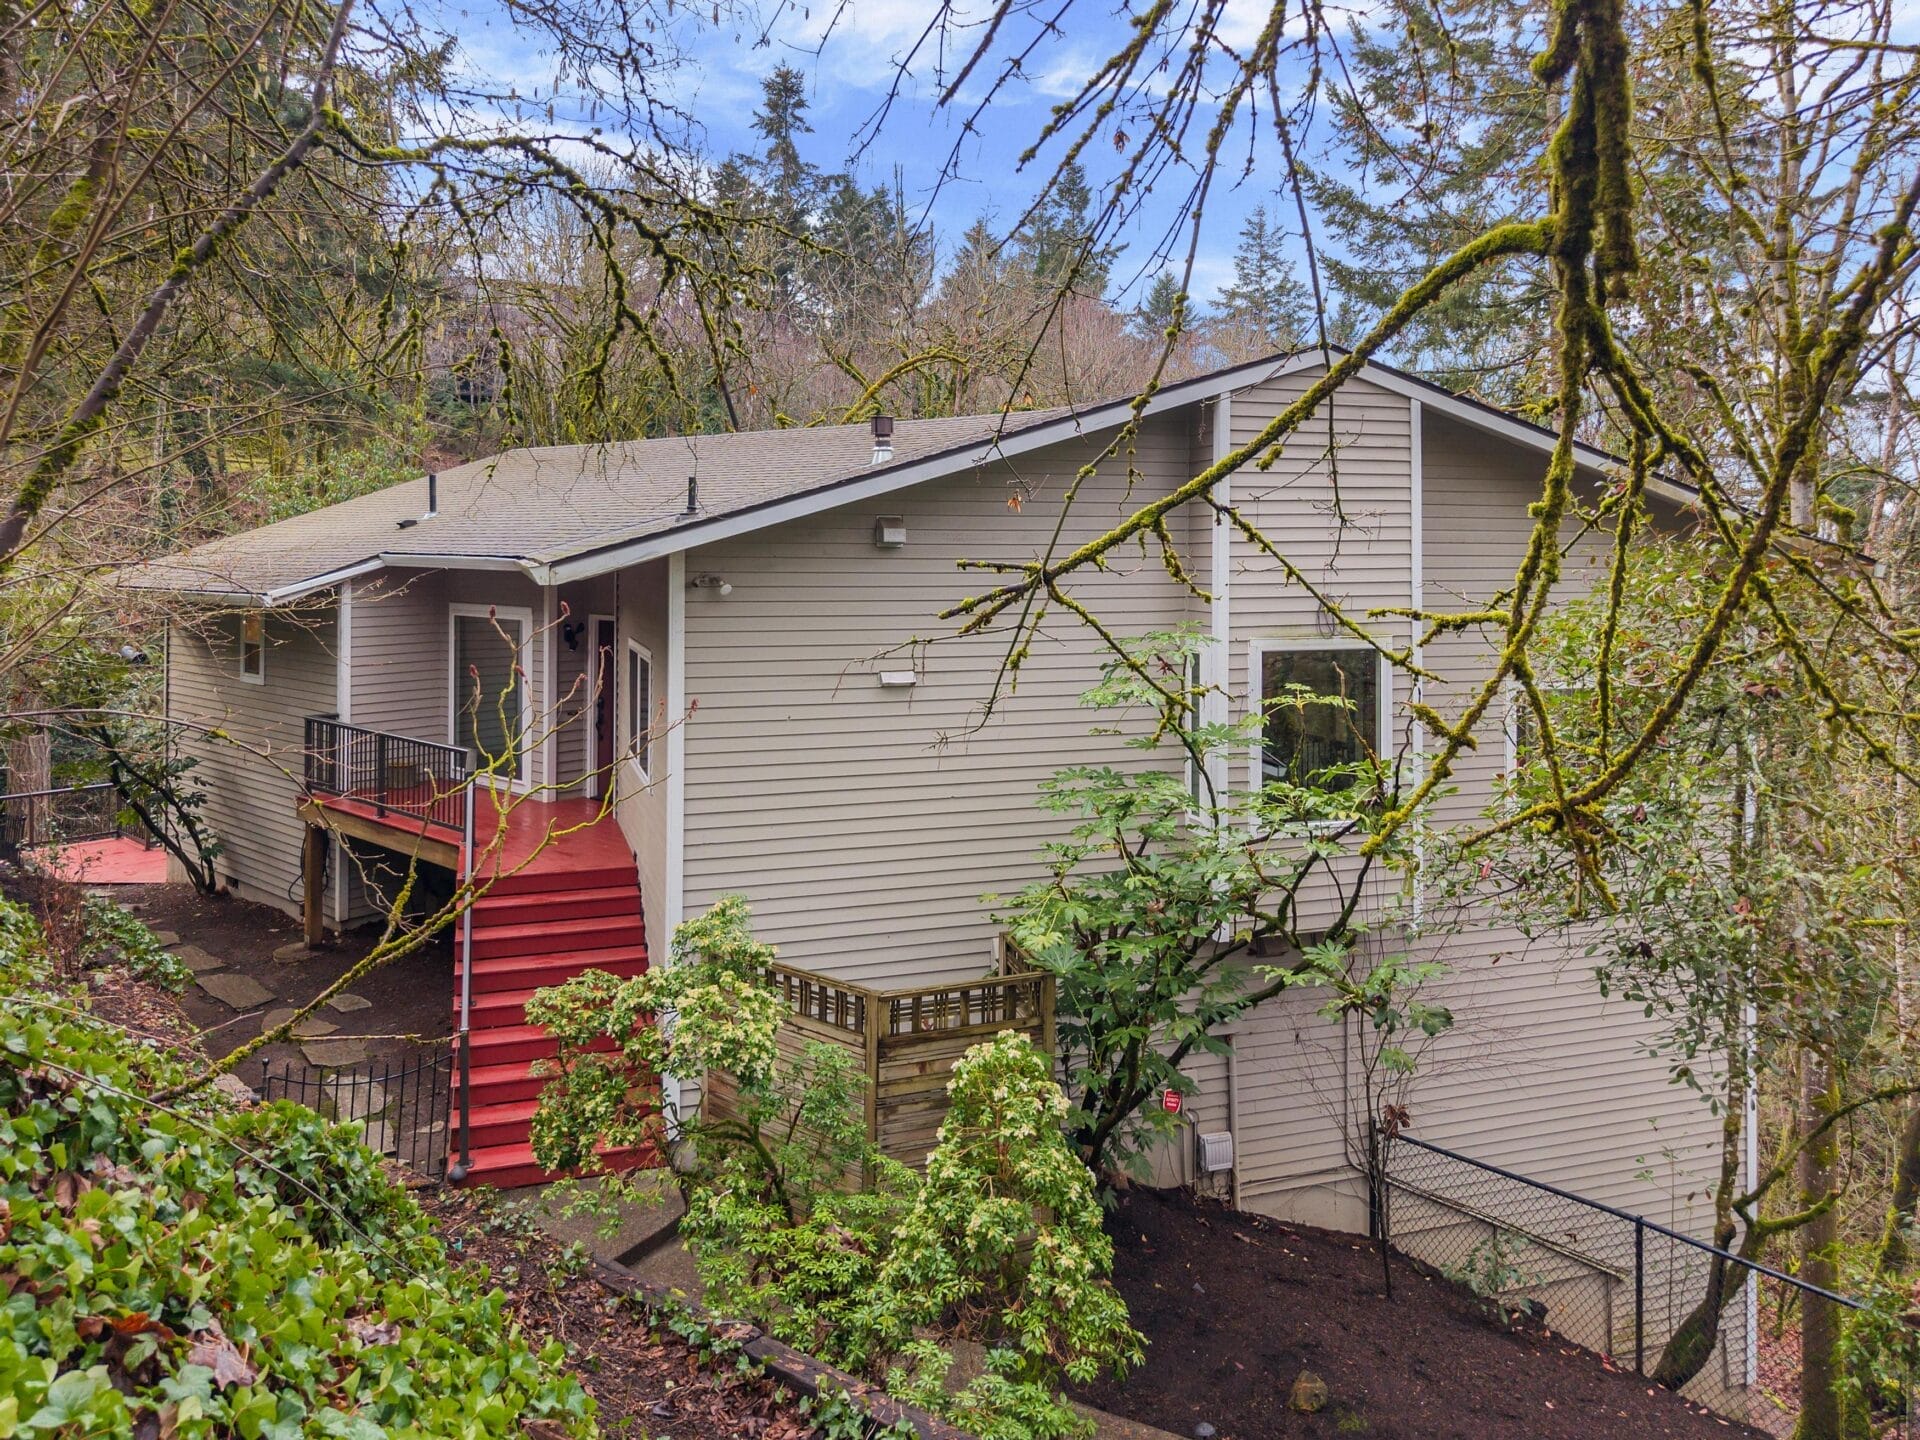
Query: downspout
343	706
676	738
1216	673
1417	598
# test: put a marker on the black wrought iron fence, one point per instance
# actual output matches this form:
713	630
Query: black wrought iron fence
65	814
421	779
403	1104
1622	1285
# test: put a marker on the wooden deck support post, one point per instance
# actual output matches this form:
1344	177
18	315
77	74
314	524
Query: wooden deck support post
313	871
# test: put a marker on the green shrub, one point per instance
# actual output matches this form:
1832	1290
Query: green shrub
119	933
798	1225
197	1271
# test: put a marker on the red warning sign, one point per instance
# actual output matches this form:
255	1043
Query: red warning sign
1170	1101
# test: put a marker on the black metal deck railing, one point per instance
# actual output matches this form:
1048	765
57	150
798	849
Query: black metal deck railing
421	779
65	814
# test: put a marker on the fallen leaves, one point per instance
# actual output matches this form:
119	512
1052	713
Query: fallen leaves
216	1352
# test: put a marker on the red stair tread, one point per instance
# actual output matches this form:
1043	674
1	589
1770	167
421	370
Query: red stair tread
602	899
594	932
552	906
507	1166
494	973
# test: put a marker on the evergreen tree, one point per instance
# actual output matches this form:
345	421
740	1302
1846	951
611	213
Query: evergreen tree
1266	306
780	121
1163	307
1058	243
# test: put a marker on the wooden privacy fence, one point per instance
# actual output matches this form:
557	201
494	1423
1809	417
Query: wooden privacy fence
908	1041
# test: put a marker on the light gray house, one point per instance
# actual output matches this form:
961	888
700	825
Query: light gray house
739	633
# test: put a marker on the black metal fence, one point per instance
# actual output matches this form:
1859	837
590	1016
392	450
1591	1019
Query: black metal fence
402	1103
1622	1285
65	814
421	779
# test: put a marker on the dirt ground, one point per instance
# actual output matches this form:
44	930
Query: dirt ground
410	1001
1236	1307
645	1384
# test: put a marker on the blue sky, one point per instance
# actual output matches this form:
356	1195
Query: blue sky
849	53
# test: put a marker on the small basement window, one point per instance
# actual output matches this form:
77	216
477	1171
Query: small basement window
253	647
640	708
1301	737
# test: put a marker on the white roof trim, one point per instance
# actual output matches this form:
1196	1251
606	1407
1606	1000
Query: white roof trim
618	555
601	557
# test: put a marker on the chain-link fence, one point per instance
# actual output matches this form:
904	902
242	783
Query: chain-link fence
1651	1299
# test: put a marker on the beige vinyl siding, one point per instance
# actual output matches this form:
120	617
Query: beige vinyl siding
640	611
252	781
864	823
1546	1077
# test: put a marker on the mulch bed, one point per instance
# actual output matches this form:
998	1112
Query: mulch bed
1236	1307
643	1382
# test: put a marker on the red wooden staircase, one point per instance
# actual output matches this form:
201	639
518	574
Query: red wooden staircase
574	906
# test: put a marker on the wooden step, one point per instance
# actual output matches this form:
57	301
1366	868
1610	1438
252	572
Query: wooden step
605	900
542	882
507	1166
557	936
504	1044
504	1123
534	972
498	1084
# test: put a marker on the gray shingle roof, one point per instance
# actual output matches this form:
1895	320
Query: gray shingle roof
539	505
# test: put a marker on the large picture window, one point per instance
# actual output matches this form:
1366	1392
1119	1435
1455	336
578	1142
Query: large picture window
640	709
1301	738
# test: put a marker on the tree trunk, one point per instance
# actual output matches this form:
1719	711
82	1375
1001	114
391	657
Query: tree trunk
1825	1411
1896	1250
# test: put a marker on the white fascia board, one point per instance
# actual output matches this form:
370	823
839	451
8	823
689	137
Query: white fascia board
300	589
830	497
1508	427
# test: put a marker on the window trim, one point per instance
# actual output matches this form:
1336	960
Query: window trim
259	676
1257	651
523	616
639	760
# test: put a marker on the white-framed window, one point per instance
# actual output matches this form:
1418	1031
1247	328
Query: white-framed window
1298	741
640	708
253	647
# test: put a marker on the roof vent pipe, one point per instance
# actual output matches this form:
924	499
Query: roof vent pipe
693	494
433	496
882	426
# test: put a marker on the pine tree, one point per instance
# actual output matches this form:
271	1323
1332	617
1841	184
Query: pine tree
1058	243
1266	307
780	121
1164	307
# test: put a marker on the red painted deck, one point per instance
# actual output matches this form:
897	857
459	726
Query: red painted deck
562	895
120	861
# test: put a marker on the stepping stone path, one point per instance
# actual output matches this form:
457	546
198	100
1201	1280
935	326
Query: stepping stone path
242	992
197	960
347	1002
346	1050
292	954
311	1028
166	937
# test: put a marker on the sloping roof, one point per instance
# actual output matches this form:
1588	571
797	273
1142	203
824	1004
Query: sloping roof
565	512
527	508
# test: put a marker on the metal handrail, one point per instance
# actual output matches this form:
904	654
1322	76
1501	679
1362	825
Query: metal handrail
457	1170
420	779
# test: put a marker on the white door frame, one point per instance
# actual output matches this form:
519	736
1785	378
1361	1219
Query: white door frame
522	615
595	662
